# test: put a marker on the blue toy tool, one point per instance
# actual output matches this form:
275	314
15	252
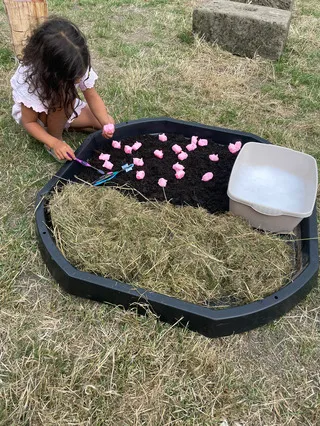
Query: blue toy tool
111	175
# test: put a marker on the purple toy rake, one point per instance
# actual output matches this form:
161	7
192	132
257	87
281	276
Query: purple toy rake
84	163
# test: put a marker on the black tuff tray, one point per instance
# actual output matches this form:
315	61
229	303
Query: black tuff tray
207	321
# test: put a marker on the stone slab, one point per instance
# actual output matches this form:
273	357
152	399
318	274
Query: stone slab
245	30
278	4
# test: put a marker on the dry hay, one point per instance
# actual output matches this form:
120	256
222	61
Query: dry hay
183	252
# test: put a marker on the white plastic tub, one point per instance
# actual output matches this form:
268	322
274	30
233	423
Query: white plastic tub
273	187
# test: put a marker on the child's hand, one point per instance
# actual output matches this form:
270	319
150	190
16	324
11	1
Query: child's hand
62	149
108	129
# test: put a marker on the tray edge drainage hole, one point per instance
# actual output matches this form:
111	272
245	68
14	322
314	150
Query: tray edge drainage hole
276	297
44	232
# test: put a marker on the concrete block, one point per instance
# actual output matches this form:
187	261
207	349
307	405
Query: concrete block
243	29
278	4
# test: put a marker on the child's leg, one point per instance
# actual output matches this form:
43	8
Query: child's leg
57	121
43	117
85	120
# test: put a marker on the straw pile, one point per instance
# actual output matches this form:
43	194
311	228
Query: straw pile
183	252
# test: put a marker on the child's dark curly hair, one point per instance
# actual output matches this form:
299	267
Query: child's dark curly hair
57	55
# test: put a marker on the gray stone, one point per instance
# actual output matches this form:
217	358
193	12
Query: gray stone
243	29
278	4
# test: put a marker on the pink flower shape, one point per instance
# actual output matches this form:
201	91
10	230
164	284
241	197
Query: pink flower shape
107	165
182	156
180	174
194	140
138	162
136	146
191	147
177	167
233	148
140	175
108	128
162	182
116	144
176	149
207	176
214	157
163	138
128	149
202	142
158	153
104	157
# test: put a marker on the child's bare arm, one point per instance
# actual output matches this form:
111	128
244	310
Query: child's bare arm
29	122
98	108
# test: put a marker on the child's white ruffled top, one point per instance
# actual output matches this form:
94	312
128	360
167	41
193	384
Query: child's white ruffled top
21	93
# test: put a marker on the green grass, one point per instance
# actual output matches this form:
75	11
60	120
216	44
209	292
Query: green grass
69	361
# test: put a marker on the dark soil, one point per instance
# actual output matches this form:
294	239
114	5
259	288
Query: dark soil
190	190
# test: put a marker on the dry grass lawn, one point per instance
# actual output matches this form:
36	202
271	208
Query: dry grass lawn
181	252
66	361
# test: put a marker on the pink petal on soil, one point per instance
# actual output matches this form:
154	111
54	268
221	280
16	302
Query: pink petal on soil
116	144
194	140
162	182
128	149
214	157
176	149
136	146
191	147
108	128
163	138
180	174
107	165
104	157
177	167
140	175
138	162
202	142
158	153
207	176
233	148
182	156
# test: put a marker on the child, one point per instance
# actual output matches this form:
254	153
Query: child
55	64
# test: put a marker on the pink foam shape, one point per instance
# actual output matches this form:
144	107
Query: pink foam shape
214	157
138	162
136	146
116	144
191	147
194	140
108	128
202	142
107	165
176	149
233	148
104	157
162	182
177	166
180	174
128	149
158	153
182	156
207	176
163	138
140	175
